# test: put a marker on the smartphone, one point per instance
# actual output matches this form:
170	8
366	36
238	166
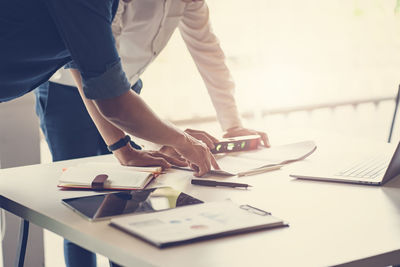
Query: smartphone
234	144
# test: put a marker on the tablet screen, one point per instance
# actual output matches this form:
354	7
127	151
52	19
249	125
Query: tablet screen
127	202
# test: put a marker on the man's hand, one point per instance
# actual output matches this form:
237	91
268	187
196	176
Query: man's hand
197	154
169	151
205	137
240	131
129	156
202	161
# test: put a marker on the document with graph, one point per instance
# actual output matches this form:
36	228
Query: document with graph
196	222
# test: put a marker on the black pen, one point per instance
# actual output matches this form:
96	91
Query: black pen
216	183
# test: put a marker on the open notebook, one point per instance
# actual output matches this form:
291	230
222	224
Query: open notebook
116	177
263	159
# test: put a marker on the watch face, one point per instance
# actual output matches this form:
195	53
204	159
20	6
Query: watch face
128	202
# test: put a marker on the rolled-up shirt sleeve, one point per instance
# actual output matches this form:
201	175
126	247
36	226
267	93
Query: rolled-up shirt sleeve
85	27
206	51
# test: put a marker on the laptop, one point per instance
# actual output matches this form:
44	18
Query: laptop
375	169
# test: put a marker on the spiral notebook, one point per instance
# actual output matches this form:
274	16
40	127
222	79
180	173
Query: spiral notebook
196	222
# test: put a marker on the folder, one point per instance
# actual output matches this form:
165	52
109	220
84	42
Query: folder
196	222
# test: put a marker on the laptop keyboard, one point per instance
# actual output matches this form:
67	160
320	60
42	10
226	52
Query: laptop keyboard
368	169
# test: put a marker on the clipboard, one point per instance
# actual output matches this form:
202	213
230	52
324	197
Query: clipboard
197	222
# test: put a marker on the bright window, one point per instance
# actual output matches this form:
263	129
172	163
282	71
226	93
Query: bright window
285	53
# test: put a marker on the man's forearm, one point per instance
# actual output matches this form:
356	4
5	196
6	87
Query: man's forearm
130	113
108	131
205	49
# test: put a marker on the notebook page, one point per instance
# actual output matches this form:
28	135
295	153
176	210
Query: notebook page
117	166
84	176
248	160
281	154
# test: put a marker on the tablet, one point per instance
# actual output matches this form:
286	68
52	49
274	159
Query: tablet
105	206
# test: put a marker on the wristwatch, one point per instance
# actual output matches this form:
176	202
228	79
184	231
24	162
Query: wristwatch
120	143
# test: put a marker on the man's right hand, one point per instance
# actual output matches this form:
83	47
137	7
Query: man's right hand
197	154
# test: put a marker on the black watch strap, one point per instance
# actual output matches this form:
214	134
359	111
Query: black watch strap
120	143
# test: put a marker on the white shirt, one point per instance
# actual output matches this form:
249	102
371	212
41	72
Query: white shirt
142	28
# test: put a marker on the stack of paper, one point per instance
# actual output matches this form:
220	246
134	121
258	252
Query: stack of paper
119	177
264	159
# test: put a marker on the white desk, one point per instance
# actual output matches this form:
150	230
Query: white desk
330	223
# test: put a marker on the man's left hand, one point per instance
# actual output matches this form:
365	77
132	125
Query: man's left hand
240	131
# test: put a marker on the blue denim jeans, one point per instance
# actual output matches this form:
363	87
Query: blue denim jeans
70	133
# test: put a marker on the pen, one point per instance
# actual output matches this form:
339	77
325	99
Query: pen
260	170
216	183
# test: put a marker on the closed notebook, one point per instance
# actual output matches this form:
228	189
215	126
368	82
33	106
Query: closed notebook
117	177
196	222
